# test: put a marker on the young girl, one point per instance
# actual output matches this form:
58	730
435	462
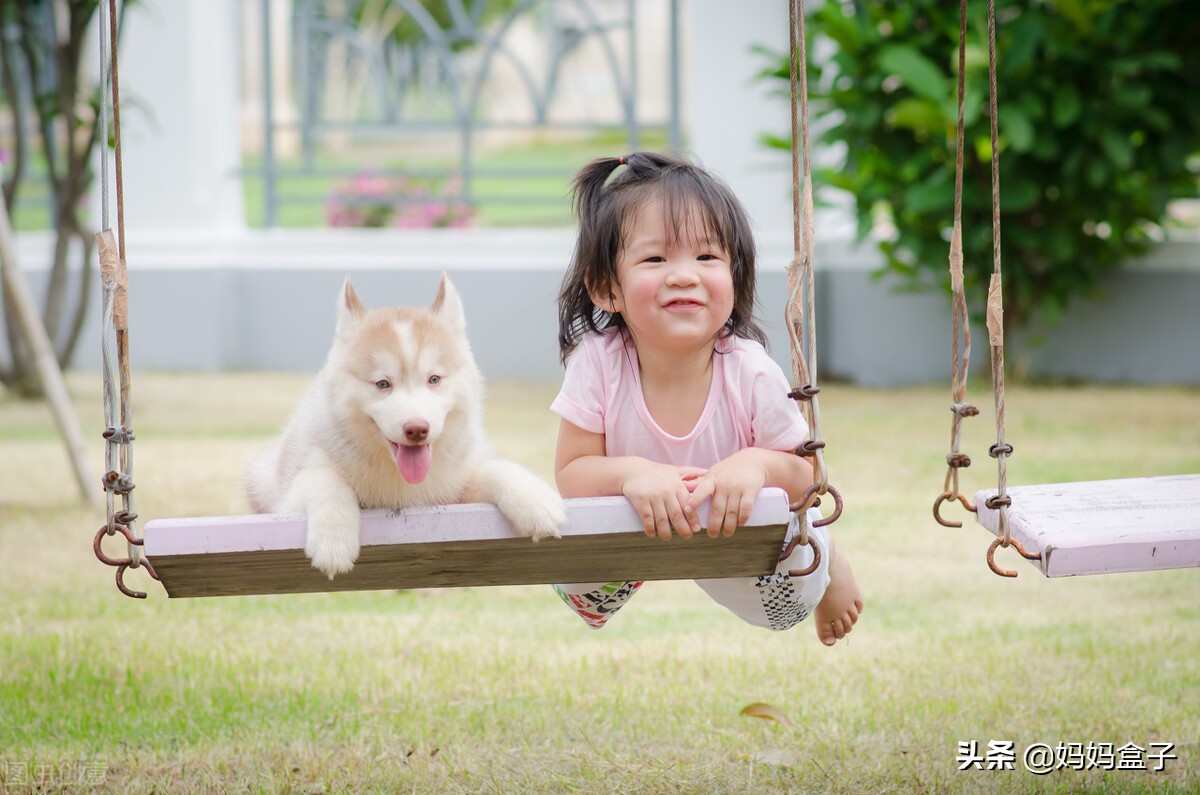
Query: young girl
669	397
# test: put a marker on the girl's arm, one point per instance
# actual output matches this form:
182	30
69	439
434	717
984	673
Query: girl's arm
658	492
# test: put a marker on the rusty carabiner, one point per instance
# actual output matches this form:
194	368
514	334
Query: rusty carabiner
999	542
937	508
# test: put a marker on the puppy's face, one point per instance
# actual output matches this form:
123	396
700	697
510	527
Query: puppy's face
405	371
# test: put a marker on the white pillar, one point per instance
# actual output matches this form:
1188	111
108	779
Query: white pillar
180	129
728	107
286	142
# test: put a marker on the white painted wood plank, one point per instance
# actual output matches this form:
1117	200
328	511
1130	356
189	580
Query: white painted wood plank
1105	526
453	545
465	522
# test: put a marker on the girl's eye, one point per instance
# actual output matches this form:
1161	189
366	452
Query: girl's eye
707	257
433	379
655	259
383	383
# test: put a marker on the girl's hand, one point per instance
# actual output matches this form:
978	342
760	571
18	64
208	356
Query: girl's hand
660	495
733	485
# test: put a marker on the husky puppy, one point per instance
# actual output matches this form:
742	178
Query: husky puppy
393	419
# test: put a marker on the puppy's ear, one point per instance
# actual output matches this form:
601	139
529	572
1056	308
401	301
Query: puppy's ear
349	309
448	306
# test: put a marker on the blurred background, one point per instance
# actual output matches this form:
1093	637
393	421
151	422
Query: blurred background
273	147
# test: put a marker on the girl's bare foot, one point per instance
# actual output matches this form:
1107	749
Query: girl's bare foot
839	608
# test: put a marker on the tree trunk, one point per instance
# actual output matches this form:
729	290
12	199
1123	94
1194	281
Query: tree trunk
67	143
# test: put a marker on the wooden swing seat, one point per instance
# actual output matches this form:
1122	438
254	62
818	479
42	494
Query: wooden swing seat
455	546
1105	526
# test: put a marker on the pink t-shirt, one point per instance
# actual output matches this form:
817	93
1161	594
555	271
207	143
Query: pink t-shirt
747	403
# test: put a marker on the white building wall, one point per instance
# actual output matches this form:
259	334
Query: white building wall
208	294
728	108
180	123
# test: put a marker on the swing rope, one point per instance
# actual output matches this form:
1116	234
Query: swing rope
961	332
118	416
1001	450
801	308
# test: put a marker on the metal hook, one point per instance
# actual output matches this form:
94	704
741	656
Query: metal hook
123	588
815	489
816	561
937	508
795	542
837	509
122	564
999	542
123	530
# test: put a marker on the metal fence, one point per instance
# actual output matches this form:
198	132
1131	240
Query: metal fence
439	112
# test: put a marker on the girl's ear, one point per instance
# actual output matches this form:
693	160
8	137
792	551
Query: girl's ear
602	296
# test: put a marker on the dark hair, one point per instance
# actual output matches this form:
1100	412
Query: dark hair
605	206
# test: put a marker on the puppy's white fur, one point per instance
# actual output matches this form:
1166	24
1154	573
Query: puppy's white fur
391	371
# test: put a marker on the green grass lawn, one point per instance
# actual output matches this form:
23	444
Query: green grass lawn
504	690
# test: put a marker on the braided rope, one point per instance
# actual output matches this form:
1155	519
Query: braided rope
801	306
118	414
102	49
995	308
961	332
961	353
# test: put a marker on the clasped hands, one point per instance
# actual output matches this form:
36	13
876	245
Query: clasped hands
666	497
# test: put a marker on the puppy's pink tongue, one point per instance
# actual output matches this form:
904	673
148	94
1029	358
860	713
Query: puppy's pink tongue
413	461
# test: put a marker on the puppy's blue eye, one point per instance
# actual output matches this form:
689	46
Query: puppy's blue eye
383	383
433	379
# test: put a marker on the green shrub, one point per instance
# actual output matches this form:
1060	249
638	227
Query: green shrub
1099	116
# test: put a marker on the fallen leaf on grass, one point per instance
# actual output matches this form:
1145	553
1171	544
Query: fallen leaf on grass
765	712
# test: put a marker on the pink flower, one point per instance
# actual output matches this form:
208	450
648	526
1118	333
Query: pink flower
369	199
368	184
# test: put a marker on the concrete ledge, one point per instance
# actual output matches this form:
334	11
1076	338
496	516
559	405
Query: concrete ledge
264	300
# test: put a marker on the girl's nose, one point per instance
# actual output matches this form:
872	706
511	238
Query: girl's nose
682	273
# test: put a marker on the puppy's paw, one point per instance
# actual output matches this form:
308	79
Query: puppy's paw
545	521
332	541
536	510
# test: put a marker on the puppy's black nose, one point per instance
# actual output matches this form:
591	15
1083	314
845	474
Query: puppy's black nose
416	432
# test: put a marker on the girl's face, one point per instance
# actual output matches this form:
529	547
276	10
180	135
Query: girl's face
674	294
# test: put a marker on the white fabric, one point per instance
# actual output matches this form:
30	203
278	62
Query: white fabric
779	601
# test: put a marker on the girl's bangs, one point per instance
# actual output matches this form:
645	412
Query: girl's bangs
691	210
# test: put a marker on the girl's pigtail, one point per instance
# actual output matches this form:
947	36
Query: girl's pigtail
575	308
588	189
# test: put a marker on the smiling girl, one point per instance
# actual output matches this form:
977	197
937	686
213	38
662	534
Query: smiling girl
669	397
